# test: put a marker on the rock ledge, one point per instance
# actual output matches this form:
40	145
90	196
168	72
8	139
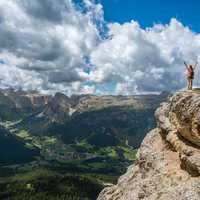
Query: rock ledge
168	161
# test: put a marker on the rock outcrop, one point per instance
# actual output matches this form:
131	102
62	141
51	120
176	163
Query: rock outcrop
168	161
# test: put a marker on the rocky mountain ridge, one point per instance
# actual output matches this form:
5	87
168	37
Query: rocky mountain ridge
58	107
79	127
168	161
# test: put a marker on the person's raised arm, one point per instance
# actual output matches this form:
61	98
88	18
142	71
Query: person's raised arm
186	64
195	65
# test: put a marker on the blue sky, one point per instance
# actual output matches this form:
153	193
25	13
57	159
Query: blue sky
71	55
147	12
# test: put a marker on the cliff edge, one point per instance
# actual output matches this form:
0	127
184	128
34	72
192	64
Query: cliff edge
168	161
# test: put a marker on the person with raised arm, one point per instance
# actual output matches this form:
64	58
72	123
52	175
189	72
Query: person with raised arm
190	74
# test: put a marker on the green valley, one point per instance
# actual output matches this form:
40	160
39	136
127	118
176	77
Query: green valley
59	147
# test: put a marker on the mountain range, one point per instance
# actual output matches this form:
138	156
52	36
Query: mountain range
79	134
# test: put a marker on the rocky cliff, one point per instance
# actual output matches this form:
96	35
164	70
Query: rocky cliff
168	161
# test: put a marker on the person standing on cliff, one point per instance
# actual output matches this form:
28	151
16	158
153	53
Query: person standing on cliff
190	74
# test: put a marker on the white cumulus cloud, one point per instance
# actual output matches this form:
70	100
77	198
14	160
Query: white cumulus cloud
145	60
45	43
58	46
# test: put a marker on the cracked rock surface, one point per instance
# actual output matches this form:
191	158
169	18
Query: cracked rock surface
168	161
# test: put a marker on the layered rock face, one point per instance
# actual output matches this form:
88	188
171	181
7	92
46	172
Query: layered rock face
168	161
